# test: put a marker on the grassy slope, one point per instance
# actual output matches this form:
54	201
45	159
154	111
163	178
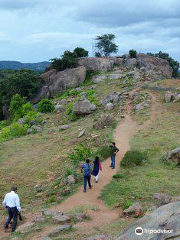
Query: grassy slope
42	158
162	135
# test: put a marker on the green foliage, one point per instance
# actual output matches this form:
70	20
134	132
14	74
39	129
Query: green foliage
174	64
26	108
32	116
23	82
45	106
90	94
80	153
80	52
118	176
106	45
2	124
69	112
133	158
126	204
104	152
132	53
69	171
12	131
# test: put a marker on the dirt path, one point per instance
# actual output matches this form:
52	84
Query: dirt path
123	133
103	215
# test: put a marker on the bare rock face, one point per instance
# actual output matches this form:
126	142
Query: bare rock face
165	218
83	107
96	64
156	64
60	81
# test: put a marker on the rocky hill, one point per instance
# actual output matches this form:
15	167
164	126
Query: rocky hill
131	101
15	65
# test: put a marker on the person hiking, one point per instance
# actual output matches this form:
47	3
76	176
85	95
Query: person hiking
96	168
87	174
12	203
114	150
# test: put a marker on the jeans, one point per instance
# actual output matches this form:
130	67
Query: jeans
113	161
13	214
87	179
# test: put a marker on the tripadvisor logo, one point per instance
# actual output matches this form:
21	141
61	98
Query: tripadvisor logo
138	231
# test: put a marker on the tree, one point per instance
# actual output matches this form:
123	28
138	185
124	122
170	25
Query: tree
106	45
173	63
132	53
80	52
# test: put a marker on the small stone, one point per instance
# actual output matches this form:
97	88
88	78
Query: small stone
60	218
80	216
135	209
25	228
82	133
64	127
38	188
58	230
109	106
162	198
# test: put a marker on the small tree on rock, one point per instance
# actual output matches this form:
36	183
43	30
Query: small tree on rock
105	44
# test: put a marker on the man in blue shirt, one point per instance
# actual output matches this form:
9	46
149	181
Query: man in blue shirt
87	174
12	203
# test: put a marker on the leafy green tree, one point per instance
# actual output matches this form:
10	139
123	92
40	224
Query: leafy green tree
105	44
80	52
173	63
132	53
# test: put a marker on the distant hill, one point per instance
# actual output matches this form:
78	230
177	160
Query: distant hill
15	65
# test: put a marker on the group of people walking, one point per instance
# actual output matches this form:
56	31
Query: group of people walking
97	167
12	201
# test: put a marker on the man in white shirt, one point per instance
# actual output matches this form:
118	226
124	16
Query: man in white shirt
12	203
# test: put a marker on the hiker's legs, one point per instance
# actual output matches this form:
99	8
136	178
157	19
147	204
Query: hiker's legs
89	181
10	216
96	177
15	216
85	183
113	161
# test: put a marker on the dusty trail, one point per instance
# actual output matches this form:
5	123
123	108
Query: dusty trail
103	215
123	133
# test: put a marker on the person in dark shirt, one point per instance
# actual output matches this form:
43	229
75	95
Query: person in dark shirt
87	174
114	150
96	168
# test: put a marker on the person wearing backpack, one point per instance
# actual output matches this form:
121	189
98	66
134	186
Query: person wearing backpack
97	167
87	174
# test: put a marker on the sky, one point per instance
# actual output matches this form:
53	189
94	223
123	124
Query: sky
39	30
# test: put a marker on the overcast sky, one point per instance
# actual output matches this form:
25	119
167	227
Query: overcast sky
38	30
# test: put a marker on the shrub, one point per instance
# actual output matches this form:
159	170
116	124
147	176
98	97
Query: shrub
26	108
2	124
32	116
104	152
133	158
80	153
126	204
91	96
80	52
118	176
132	53
14	130
16	106
69	171
69	112
45	106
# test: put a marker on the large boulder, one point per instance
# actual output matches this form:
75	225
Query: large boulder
83	107
111	98
156	64
164	223
96	64
60	81
136	209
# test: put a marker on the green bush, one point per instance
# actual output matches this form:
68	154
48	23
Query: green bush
2	124
91	96
32	116
26	108
132	53
69	171
69	112
133	158
126	204
80	153
45	106
104	152
80	52
118	176
12	131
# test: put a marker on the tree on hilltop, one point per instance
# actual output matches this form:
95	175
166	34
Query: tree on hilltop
105	45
